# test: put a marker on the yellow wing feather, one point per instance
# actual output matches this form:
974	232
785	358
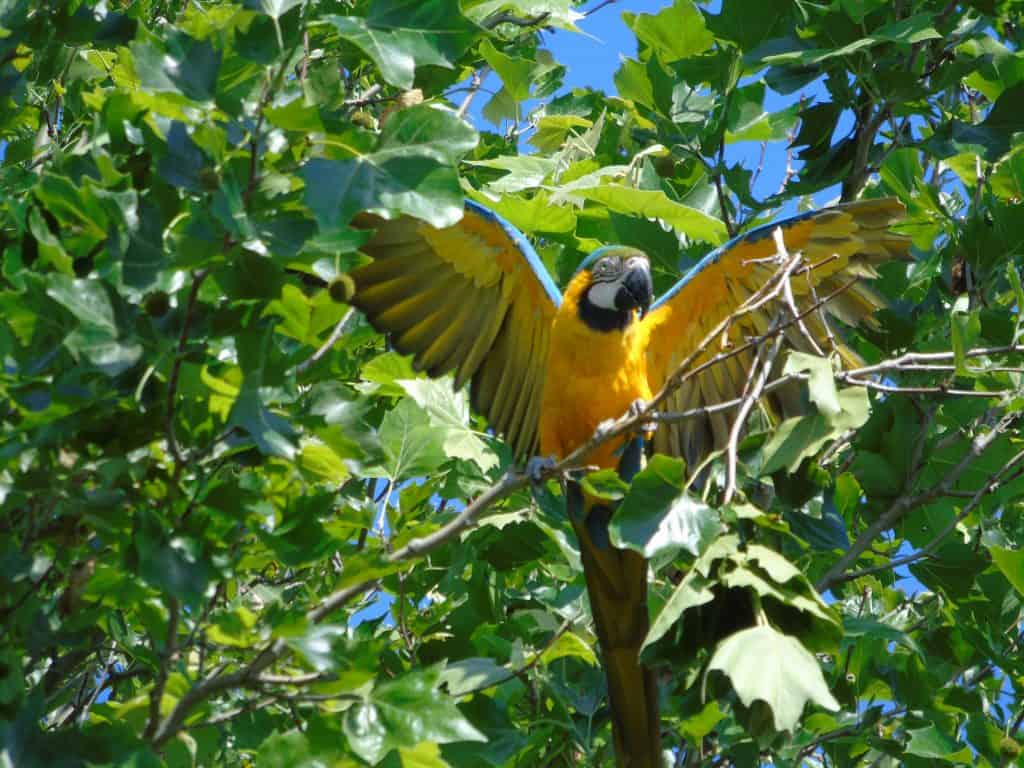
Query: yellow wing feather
841	244
470	298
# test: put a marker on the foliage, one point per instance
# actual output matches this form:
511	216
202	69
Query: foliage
223	501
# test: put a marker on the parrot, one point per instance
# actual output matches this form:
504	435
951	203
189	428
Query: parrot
547	367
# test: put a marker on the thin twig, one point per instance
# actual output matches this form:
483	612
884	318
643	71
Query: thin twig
179	358
519	21
763	363
514	673
723	201
306	679
790	149
336	334
369	96
599	6
474	88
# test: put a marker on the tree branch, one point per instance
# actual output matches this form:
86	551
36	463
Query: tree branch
868	123
907	502
998	479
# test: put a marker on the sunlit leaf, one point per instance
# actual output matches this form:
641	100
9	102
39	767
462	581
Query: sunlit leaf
763	664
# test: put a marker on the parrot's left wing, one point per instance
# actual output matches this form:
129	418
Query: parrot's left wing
473	298
841	244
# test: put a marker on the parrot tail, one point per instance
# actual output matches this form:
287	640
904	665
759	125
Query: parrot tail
617	588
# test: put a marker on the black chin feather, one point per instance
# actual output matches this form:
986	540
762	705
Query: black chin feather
603	320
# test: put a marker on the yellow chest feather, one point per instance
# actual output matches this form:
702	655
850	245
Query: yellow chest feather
591	376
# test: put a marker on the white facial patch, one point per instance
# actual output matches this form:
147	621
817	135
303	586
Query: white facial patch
603	294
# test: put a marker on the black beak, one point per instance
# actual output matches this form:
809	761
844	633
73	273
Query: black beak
637	290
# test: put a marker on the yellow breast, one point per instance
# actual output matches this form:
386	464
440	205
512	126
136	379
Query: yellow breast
591	376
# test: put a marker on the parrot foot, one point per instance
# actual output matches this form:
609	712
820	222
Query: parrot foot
538	465
637	407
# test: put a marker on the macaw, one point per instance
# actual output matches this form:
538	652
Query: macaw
547	367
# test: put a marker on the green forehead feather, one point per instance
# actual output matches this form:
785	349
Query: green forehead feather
622	251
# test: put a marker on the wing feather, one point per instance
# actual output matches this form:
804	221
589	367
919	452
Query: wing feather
473	298
842	244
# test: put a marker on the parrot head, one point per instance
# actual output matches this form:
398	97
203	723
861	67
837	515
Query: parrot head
618	282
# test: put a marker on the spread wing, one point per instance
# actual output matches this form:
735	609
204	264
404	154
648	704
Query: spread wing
473	298
841	243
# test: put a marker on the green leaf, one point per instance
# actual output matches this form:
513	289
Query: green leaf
965	328
103	349
403	35
991	138
557	13
632	82
674	33
750	24
605	484
1011	563
524	172
1018	290
516	73
173	566
765	665
285	750
655	204
449	411
321	460
466	675
177	64
914	29
859	9
73	205
271	432
411	171
696	727
405	712
87	300
145	256
822	383
933	743
388	371
801	436
424	755
412	446
765	126
656	518
535	214
295	116
570	645
694	590
770	574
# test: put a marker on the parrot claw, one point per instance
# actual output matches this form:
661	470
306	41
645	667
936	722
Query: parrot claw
538	465
636	408
604	428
